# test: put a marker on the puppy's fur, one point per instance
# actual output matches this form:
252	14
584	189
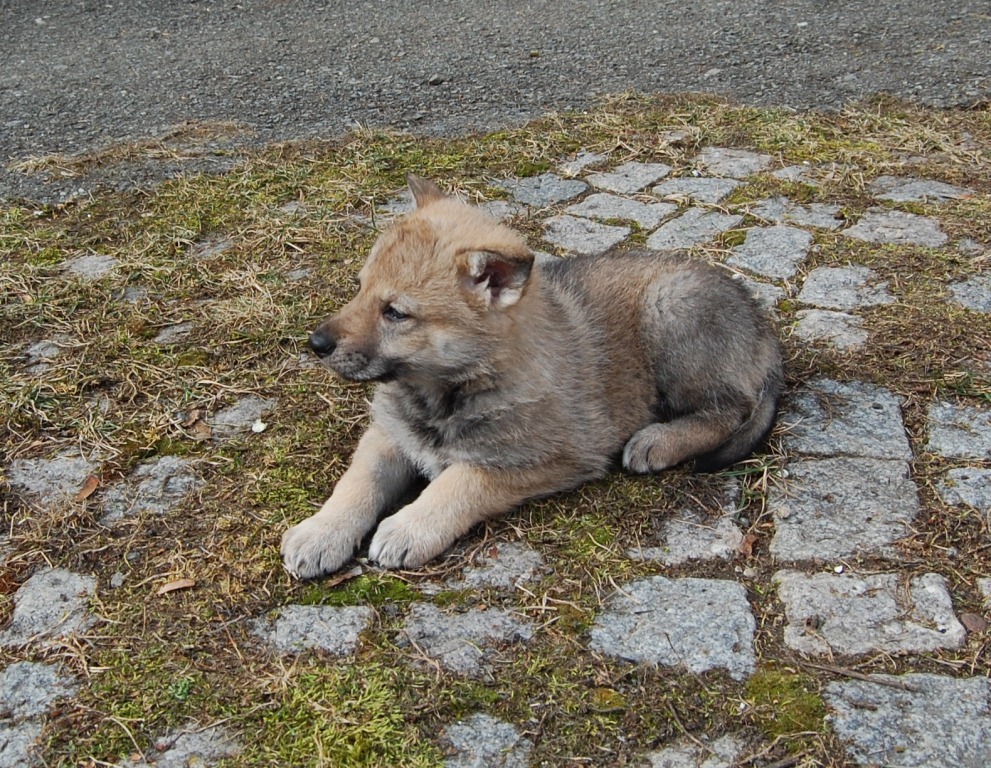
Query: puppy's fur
501	380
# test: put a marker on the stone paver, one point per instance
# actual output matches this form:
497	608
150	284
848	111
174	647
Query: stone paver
482	741
959	431
767	294
721	753
581	161
938	721
50	606
240	416
173	333
851	614
695	533
28	690
880	225
543	190
970	487
735	163
796	173
698	624
157	486
701	189
840	329
904	190
581	235
772	251
833	418
974	293
40	355
844	288
984	587
783	211
604	206
834	508
501	210
327	628
90	267
629	177
463	642
505	566
191	747
693	227
53	481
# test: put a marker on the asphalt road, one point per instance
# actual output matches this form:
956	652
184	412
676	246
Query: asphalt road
79	74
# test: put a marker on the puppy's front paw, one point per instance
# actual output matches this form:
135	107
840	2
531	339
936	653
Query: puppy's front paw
406	540
316	547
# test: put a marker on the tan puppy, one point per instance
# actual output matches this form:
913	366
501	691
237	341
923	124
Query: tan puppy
501	380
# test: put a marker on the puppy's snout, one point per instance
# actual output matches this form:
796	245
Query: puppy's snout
322	344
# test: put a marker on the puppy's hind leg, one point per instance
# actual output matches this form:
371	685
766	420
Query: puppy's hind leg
665	444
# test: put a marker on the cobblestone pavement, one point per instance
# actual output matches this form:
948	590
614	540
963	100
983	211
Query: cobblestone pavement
843	499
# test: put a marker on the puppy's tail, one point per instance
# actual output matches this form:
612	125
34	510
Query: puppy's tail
752	432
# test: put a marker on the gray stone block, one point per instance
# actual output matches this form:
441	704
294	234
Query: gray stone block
582	160
843	288
482	741
841	330
974	293
851	614
969	487
581	235
693	227
157	486
906	190
333	629
90	267
170	334
605	206
735	163
767	295
699	624
772	251
880	225
832	418
959	431
697	533
721	753
629	177
700	189
543	190
28	689
833	508
504	566
240	417
463	642
193	747
784	211
49	606
52	481
913	721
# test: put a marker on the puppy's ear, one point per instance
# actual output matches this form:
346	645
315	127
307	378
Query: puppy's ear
424	191
499	278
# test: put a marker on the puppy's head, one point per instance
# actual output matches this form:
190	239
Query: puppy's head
436	294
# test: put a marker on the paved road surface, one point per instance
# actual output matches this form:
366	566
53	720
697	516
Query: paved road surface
79	74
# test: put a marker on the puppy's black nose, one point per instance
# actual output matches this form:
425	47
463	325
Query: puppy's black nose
322	344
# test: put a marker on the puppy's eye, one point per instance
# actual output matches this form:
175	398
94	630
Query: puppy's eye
394	315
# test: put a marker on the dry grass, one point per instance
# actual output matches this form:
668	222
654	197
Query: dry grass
220	252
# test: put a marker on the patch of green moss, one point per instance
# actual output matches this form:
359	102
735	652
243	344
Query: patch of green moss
343	716
368	589
785	703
